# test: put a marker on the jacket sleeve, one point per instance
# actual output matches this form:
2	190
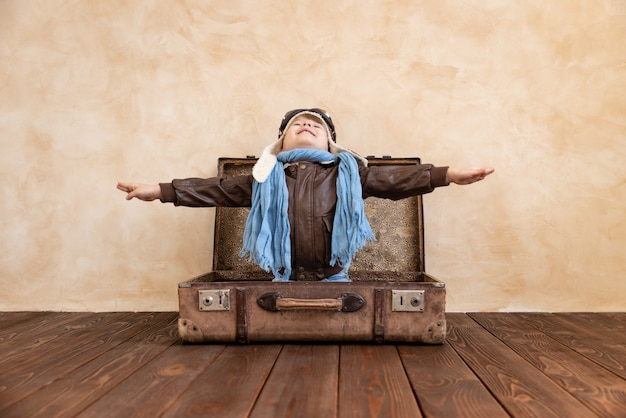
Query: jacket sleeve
211	192
401	181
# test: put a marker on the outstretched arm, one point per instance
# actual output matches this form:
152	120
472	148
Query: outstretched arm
145	192
467	175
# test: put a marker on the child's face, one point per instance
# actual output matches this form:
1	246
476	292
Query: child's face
306	131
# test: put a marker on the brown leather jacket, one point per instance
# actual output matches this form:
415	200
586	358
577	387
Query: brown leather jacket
312	198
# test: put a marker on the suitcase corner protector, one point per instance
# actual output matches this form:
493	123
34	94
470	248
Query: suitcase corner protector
435	332
189	331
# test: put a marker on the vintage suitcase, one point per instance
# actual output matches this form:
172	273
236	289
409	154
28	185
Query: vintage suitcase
391	298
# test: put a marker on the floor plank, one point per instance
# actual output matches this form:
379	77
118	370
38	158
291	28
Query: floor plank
19	340
609	328
230	385
372	383
606	351
76	391
520	388
600	390
444	385
157	386
617	316
91	336
311	369
18	319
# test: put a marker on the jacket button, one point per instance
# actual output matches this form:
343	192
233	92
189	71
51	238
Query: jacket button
300	269
301	277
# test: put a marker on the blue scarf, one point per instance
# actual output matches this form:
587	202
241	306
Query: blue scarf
266	236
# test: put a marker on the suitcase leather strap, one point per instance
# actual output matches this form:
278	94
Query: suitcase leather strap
275	302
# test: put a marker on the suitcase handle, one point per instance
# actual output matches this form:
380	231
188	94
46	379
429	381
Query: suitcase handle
347	302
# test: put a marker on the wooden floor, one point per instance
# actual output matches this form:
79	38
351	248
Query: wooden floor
133	364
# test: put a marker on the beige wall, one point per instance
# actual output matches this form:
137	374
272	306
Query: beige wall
96	92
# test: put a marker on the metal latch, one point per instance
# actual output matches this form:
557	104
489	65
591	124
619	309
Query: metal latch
407	300
214	300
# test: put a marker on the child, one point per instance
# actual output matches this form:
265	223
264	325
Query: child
306	197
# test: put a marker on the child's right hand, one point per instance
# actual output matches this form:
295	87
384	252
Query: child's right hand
145	192
467	175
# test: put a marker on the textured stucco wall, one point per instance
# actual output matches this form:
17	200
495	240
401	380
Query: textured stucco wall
96	92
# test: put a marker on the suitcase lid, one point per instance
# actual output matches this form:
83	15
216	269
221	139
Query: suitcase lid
397	253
